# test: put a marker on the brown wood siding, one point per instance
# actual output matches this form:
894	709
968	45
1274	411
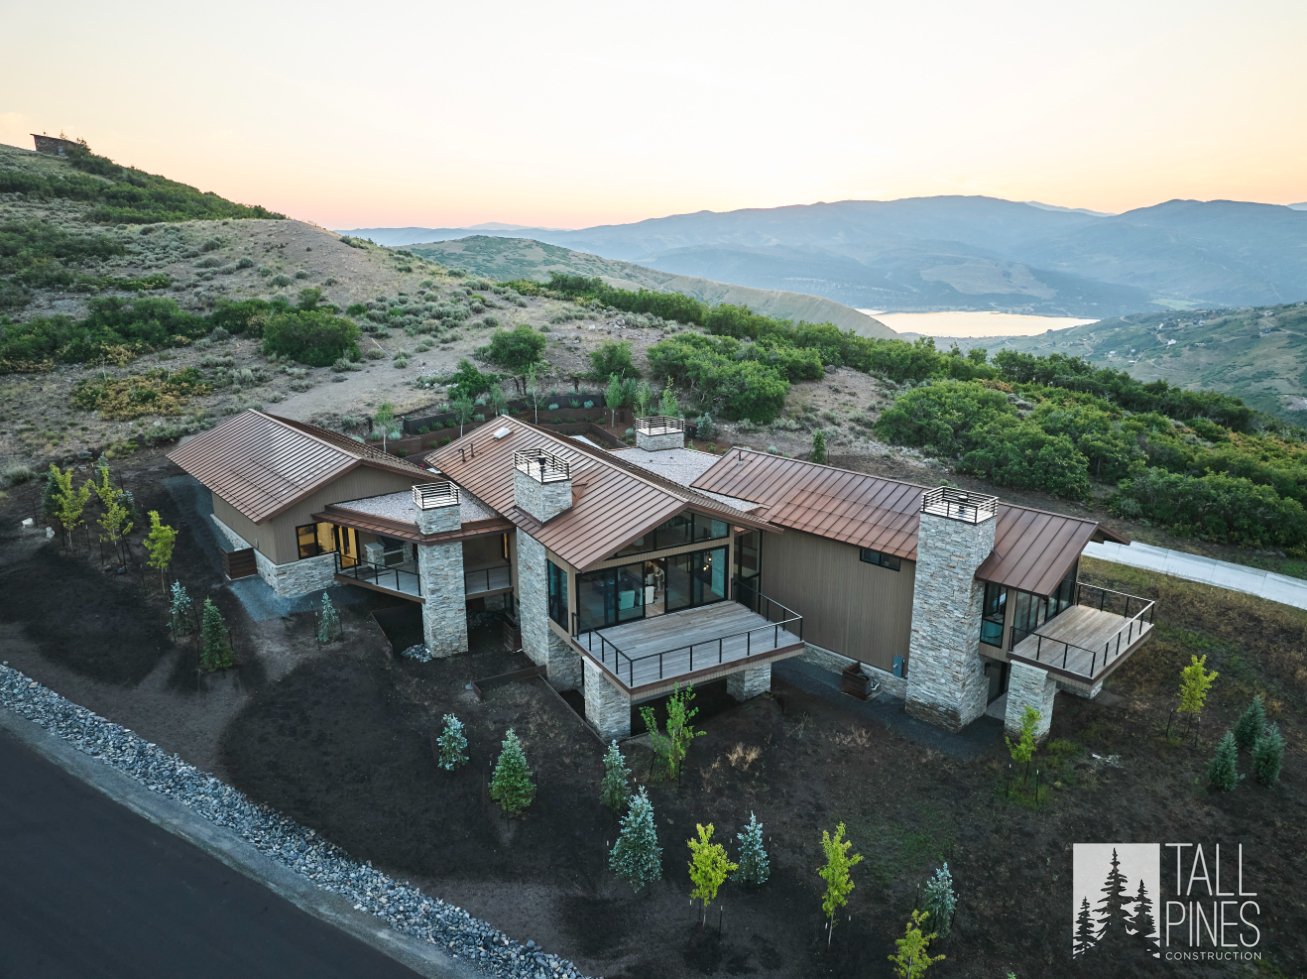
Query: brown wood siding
242	524
354	485
848	606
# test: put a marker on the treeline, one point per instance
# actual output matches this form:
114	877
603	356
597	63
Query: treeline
117	329
123	195
1200	462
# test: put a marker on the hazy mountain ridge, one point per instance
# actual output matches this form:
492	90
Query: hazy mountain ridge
517	258
956	252
1258	354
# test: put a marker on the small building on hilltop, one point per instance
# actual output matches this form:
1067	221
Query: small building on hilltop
54	145
634	570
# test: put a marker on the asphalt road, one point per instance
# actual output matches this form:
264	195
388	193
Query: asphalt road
90	889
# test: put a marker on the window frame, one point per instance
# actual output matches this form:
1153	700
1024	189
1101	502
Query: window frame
312	542
879	559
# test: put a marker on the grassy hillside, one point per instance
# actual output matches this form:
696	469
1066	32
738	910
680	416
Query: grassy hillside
505	259
1258	354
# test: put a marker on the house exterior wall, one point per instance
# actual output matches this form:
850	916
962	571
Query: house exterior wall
543	642
282	546
444	608
850	607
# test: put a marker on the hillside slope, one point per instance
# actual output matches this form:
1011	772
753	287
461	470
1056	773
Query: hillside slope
522	258
1258	354
969	253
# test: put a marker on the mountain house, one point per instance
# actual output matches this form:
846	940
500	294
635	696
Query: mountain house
634	570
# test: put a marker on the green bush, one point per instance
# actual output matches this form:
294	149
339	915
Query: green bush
612	357
314	337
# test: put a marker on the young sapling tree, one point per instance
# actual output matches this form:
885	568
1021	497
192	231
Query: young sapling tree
913	957
452	744
614	790
636	856
709	868
835	872
511	785
755	865
1223	769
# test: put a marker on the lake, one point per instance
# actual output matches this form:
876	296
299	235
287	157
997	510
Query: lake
963	323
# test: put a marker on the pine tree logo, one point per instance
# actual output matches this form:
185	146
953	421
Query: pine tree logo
1113	918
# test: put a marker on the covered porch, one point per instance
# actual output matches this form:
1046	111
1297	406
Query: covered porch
1090	639
648	657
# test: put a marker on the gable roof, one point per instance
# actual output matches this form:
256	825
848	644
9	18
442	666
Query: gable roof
613	500
263	465
1033	549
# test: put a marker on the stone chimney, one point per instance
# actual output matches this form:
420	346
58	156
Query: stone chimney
437	506
542	483
659	432
946	679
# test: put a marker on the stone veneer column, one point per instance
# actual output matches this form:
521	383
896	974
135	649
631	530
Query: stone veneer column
1029	686
946	680
544	501
444	589
656	441
607	707
444	598
542	645
749	683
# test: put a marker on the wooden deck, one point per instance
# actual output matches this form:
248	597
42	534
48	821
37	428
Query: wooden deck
1083	643
700	643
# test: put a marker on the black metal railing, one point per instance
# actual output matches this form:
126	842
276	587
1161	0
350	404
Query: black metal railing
660	424
956	504
698	655
483	580
1070	657
542	465
392	578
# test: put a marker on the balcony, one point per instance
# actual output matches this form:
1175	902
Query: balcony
488	581
650	655
402	579
1089	639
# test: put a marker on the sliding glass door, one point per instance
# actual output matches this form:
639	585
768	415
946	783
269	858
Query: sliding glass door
697	578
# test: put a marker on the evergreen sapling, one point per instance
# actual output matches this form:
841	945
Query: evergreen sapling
1223	770
452	744
215	641
939	900
755	865
511	785
328	621
636	857
1250	725
1268	755
181	612
615	790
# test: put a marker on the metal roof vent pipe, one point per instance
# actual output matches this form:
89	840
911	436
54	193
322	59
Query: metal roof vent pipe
658	432
542	483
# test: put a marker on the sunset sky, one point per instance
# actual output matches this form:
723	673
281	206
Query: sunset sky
569	114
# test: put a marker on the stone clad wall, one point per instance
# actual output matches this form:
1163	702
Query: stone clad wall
1029	686
606	707
544	501
753	682
946	680
651	442
542	645
286	580
444	602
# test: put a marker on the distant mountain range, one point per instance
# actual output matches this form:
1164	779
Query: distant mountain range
965	253
522	258
1258	354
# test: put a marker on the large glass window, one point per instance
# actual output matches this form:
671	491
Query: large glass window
684	528
1065	596
697	578
610	596
993	614
306	538
557	593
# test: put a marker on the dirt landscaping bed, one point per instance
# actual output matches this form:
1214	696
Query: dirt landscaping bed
340	738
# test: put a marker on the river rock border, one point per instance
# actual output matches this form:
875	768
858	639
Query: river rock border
402	906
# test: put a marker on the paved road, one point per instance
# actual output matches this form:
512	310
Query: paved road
89	889
1194	567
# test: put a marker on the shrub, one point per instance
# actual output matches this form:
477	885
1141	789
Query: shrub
755	865
1268	755
612	357
1223	770
314	337
511	785
709	867
636	856
835	872
181	612
514	350
818	447
452	744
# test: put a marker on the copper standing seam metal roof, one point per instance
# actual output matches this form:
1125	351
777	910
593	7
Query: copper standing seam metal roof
613	501
1033	549
263	465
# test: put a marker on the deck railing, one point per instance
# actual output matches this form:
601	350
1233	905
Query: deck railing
956	504
1058	653
393	578
702	654
483	580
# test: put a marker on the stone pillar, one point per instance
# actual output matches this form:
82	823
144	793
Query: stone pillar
607	706
444	598
1029	686
655	434
542	645
749	683
946	680
542	500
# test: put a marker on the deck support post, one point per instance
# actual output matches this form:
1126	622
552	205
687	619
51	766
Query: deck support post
444	605
1029	686
607	707
542	645
749	683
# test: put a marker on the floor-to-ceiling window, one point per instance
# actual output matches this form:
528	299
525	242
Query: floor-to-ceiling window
610	596
697	578
993	613
557	593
